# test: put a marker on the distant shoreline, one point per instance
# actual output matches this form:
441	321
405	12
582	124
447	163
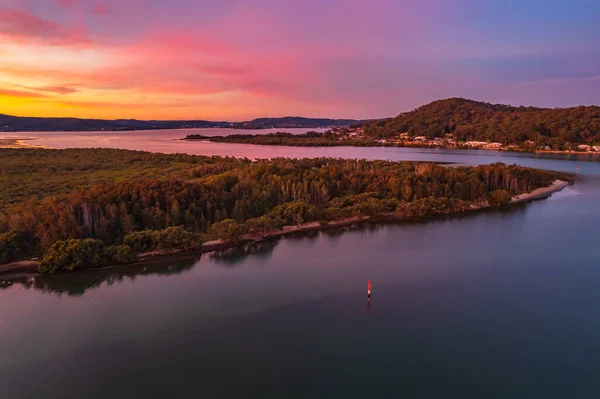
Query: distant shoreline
26	269
283	140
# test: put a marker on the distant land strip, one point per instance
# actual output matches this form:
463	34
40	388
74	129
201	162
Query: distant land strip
33	124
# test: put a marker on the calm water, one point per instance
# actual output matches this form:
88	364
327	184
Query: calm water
166	141
493	305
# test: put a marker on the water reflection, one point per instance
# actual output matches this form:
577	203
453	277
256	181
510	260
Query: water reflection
78	283
236	255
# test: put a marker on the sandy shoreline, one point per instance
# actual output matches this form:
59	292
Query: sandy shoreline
540	193
566	152
16	143
29	268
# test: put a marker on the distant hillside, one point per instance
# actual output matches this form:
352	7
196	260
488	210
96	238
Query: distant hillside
297	122
16	124
472	120
19	124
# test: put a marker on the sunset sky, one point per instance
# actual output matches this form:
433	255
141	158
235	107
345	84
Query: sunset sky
237	60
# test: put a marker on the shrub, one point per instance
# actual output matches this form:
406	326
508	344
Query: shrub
175	237
294	212
73	254
499	198
141	241
120	254
170	238
228	230
12	247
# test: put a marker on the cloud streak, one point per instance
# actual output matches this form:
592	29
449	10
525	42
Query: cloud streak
55	89
20	94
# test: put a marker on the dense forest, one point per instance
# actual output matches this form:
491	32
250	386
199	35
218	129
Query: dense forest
295	122
471	120
157	201
310	139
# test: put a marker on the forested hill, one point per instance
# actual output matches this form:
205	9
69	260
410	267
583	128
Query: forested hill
22	124
472	120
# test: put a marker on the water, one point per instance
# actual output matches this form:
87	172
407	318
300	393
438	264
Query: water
491	305
165	141
168	141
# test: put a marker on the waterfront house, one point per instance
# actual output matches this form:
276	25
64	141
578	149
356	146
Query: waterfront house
476	144
493	146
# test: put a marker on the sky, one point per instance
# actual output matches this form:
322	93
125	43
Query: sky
240	59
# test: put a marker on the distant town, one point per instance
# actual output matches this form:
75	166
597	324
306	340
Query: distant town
357	134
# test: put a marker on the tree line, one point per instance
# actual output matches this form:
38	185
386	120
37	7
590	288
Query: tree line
309	139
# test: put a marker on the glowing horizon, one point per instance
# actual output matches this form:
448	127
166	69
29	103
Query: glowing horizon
231	60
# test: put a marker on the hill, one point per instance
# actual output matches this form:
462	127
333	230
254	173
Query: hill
472	120
20	124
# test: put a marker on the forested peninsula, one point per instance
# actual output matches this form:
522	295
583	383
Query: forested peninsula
310	139
86	208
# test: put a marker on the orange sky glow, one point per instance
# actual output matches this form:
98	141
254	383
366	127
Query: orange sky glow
237	60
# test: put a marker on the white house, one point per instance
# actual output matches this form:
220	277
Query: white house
476	144
493	146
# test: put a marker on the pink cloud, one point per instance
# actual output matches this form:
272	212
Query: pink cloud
24	27
100	9
66	3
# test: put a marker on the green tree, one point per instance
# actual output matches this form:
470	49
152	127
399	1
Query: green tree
499	198
120	254
228	230
141	241
73	254
12	247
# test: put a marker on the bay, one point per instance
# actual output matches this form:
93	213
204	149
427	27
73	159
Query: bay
499	304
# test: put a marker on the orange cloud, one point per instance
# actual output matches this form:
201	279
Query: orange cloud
20	94
56	89
51	89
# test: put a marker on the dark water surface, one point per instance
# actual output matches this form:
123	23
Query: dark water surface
501	304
